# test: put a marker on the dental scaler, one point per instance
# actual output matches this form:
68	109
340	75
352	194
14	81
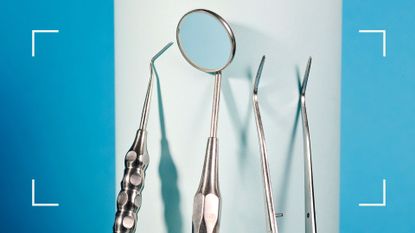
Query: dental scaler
310	206
271	223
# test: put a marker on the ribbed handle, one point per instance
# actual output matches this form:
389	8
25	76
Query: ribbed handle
130	197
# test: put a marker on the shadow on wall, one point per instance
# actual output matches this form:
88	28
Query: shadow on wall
240	123
168	174
283	189
251	45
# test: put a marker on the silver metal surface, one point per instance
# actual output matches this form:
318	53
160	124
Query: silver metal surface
310	211
146	106
225	25
271	223
215	105
207	200
136	162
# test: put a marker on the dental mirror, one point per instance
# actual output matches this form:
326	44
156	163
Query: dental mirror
207	42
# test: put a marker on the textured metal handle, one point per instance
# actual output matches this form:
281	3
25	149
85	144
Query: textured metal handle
129	198
207	201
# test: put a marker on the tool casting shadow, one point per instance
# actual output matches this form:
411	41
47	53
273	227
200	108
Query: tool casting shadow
168	174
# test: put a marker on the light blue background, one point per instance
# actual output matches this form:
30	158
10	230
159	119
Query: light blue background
57	116
378	117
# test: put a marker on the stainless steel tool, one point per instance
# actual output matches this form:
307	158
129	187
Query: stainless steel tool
271	223
207	42
310	209
136	163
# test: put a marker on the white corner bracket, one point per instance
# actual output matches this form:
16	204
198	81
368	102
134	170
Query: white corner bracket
383	38
34	38
34	204
383	204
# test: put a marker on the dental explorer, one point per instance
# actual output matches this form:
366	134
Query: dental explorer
136	162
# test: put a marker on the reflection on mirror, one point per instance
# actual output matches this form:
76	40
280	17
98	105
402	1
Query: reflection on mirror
205	40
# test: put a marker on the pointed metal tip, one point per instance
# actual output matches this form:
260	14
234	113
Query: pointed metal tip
306	75
161	51
146	107
258	75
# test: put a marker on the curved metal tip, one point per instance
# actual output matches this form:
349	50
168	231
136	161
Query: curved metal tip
161	52
146	107
258	75
306	75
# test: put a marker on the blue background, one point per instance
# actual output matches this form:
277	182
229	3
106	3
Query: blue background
57	116
378	110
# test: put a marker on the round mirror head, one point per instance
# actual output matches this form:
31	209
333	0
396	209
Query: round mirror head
206	40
